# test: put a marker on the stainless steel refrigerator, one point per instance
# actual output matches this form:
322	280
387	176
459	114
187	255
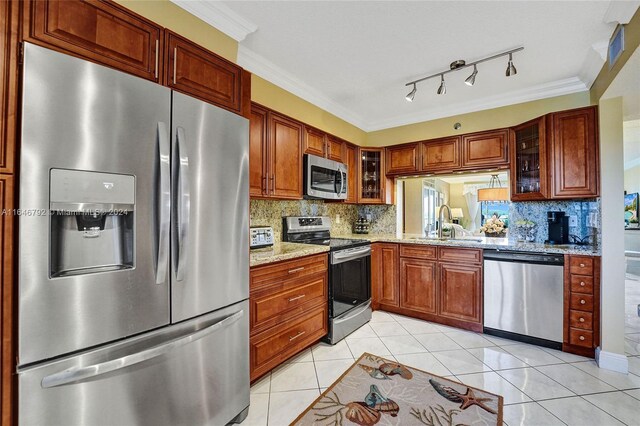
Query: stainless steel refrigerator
133	251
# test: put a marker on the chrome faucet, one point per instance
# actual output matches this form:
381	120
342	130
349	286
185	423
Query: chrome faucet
441	221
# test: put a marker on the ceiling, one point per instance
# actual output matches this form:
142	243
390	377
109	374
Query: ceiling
353	58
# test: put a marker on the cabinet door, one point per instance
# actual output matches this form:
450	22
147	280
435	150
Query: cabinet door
201	73
351	159
376	275
371	185
441	154
315	141
460	292
402	159
9	85
418	285
335	149
485	149
574	154
389	283
7	297
285	151
258	152
528	148
100	31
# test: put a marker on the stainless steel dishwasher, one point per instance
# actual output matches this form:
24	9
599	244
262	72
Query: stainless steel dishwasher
523	296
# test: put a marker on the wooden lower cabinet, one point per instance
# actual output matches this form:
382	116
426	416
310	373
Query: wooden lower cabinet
8	314
581	304
440	284
288	310
460	292
418	285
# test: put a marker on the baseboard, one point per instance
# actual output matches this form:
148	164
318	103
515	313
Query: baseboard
612	361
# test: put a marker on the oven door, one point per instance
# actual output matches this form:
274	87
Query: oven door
350	279
325	179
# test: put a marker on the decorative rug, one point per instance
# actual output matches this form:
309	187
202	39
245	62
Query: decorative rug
377	391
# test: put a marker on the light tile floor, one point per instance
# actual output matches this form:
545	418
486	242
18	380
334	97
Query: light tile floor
540	386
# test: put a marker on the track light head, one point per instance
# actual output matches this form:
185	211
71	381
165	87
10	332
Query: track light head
511	70
442	90
411	94
470	81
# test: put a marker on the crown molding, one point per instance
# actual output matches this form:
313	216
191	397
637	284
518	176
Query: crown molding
266	69
620	12
219	16
542	91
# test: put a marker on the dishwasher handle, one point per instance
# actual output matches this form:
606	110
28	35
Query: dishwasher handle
520	257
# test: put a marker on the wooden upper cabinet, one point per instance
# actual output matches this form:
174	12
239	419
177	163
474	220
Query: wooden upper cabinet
285	152
402	159
440	154
201	73
388	290
258	151
529	168
460	292
9	84
574	153
486	149
351	160
99	31
418	285
335	149
315	141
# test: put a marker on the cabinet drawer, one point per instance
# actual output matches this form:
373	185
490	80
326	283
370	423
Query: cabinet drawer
418	251
456	254
581	319
582	302
581	265
581	284
275	345
581	337
268	275
269	306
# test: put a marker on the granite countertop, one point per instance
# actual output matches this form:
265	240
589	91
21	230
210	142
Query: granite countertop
283	251
478	242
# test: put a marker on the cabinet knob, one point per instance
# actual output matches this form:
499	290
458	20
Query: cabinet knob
582	301
582	265
581	337
581	319
581	283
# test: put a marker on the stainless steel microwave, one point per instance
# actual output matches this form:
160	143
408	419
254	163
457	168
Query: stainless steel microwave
326	179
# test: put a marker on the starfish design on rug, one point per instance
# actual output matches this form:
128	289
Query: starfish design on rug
467	400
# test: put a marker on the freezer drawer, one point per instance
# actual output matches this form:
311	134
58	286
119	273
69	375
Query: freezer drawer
193	373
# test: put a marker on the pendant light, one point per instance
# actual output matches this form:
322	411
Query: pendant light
442	90
511	70
470	81
495	191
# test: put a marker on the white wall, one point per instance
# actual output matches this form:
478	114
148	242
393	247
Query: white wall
632	180
611	355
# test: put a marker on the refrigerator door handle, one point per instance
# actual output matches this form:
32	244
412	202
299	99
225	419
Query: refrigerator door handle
77	374
184	205
165	202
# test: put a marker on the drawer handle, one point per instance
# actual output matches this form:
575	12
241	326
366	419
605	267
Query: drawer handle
582	301
581	319
297	297
292	338
582	284
582	265
293	271
581	337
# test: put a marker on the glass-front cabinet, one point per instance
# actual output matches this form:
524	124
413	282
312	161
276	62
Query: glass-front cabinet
372	179
529	161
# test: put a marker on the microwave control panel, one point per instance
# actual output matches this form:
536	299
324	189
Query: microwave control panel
261	236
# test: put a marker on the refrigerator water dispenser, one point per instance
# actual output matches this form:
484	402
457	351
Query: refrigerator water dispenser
92	226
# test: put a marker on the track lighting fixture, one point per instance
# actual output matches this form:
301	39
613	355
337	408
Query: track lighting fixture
511	70
442	90
472	78
411	94
460	64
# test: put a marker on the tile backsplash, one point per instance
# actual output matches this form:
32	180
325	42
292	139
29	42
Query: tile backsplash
536	211
271	212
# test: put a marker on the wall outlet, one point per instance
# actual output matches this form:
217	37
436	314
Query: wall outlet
573	220
338	219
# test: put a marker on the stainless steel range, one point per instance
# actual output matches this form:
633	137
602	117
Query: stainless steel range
349	273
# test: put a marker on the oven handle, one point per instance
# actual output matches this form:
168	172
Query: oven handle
339	257
347	318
